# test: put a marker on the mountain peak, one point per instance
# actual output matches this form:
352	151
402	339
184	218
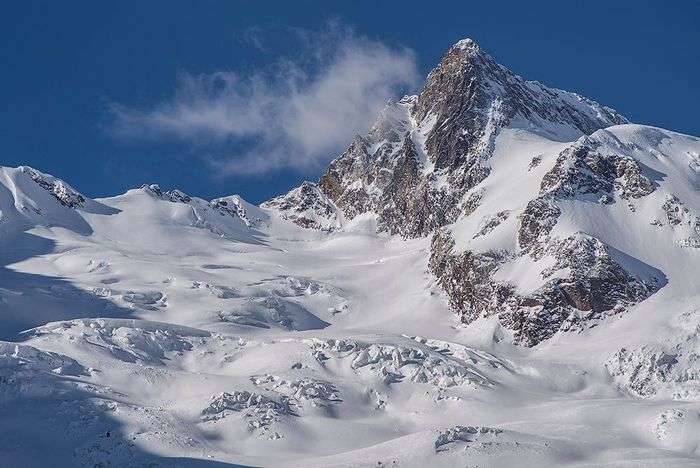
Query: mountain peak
466	44
425	153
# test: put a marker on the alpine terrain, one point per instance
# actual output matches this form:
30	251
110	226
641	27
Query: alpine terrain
497	274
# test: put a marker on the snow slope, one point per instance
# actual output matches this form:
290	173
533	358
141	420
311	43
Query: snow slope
155	328
336	349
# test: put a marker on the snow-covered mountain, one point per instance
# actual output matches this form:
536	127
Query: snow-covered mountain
529	192
497	274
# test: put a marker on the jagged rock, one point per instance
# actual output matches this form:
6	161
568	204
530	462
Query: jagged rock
472	201
466	278
235	206
536	160
425	152
581	169
490	223
536	222
685	224
595	285
175	196
306	206
62	192
228	217
426	162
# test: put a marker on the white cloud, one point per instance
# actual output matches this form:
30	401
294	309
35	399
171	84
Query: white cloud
299	114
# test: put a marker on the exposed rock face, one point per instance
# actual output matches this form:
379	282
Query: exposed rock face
466	278
224	217
584	284
685	224
236	206
62	192
425	152
580	172
306	206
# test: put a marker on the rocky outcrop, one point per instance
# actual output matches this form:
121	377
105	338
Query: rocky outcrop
685	224
61	191
596	284
466	277
584	285
580	172
425	152
582	169
668	369
237	207
229	217
233	206
585	282
306	206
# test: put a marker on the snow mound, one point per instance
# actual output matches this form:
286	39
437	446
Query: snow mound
29	197
260	412
390	363
678	429
270	311
478	441
306	206
662	369
30	373
133	341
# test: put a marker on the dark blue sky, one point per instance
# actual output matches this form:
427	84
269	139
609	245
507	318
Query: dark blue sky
63	63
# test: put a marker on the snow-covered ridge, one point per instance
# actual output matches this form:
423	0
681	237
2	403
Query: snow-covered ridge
539	306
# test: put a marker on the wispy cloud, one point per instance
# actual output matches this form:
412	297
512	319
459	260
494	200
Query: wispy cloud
297	114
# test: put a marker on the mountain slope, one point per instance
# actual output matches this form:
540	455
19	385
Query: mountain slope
596	229
508	165
155	328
